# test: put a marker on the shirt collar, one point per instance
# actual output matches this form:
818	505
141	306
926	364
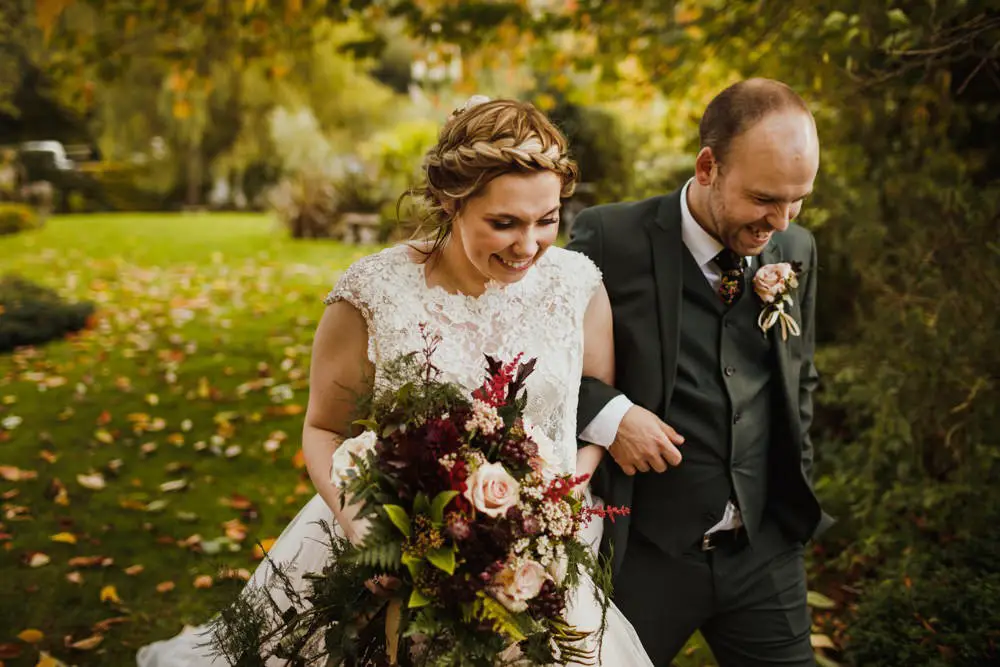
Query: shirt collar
702	245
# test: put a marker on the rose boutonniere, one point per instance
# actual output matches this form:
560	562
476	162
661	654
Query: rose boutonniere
774	283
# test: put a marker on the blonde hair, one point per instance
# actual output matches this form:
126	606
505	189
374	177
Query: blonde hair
480	141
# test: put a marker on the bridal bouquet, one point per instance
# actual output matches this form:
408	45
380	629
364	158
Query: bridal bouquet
471	529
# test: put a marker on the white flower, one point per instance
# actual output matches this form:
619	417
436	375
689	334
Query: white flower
484	418
344	468
12	422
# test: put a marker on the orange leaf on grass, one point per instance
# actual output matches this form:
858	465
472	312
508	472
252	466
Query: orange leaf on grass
203	581
133	570
15	474
65	538
94	481
105	625
31	636
74	577
165	586
299	460
38	559
110	594
91	561
289	410
88	644
237	502
46	660
258	553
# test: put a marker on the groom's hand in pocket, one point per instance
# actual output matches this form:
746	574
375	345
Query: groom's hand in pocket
644	442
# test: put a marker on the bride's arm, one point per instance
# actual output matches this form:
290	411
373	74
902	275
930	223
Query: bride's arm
339	374
598	362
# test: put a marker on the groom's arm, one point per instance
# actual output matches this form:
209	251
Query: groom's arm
595	395
808	375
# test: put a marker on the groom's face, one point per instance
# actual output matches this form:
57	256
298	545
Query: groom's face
765	177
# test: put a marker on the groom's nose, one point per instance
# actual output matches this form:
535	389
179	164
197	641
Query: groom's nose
780	216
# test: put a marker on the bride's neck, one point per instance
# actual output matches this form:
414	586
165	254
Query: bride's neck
449	267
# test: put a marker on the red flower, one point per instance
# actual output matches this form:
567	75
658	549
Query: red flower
494	389
561	487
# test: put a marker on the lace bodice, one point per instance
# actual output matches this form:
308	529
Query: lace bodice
540	316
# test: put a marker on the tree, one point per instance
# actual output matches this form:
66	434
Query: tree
174	69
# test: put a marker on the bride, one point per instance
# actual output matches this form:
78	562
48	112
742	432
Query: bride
489	281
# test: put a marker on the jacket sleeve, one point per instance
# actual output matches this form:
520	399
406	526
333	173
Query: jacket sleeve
808	375
586	237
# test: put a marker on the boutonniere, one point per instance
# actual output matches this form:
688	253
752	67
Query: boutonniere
774	283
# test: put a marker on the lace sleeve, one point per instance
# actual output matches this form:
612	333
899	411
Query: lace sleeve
588	278
353	286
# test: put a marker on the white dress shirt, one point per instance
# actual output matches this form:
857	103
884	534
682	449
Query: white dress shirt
703	247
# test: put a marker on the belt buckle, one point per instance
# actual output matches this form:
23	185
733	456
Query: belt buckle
706	542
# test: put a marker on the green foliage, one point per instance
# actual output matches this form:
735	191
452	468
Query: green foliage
31	314
503	622
599	146
16	218
938	606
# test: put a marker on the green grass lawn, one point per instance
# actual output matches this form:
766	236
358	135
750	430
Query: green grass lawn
183	400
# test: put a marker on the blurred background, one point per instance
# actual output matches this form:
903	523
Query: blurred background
181	181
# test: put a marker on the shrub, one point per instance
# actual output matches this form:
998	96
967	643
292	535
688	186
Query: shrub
31	314
941	606
16	218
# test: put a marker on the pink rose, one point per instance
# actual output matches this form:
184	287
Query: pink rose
492	490
769	281
516	584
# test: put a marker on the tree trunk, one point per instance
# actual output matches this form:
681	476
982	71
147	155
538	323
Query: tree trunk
194	175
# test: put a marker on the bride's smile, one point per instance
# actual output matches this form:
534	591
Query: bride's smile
501	233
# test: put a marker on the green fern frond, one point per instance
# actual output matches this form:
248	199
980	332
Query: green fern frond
490	611
381	556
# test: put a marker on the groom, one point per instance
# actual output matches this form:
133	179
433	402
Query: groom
707	423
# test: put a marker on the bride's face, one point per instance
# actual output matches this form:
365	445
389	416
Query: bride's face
505	229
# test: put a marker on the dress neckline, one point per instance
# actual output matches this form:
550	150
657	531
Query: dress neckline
494	289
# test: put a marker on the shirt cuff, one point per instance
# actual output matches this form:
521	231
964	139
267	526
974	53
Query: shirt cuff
604	427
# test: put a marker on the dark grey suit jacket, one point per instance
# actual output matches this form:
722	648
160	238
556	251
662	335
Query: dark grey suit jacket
638	247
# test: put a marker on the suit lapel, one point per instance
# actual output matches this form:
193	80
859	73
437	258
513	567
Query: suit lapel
667	246
772	255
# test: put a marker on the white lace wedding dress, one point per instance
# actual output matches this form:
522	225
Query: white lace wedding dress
541	316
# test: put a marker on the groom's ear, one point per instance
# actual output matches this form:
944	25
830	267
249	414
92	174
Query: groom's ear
705	167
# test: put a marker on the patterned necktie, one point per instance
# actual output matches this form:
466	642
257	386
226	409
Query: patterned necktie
731	286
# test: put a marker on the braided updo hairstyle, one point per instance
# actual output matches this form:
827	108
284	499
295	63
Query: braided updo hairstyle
480	141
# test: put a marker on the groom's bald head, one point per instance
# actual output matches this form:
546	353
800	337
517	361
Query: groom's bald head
741	106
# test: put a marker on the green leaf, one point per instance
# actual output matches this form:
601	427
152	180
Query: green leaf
414	564
418	599
819	601
404	392
399	518
368	424
421	505
443	559
898	17
441	501
496	614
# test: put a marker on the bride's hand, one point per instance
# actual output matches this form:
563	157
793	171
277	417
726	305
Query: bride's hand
357	530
